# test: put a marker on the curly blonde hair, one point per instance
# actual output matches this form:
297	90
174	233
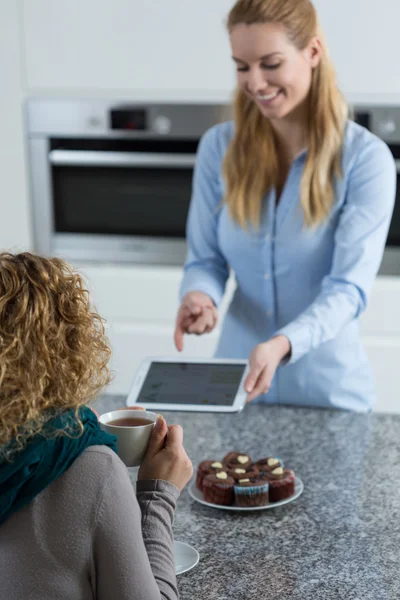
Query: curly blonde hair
53	350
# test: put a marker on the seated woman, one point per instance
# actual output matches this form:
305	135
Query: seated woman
71	525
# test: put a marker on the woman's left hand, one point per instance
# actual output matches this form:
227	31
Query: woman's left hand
263	363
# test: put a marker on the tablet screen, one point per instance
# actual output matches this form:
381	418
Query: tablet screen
191	383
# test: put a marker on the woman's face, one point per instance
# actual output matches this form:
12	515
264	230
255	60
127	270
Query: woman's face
270	69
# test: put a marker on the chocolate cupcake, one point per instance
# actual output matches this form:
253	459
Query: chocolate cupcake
241	473
281	484
218	488
268	464
236	459
251	492
205	468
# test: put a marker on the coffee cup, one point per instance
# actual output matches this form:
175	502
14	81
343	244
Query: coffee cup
132	430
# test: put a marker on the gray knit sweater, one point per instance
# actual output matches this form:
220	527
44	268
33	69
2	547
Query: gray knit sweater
88	537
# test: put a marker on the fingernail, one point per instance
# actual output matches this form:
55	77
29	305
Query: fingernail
159	422
249	388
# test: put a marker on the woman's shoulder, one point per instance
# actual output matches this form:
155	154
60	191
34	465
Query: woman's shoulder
93	469
362	146
99	458
217	138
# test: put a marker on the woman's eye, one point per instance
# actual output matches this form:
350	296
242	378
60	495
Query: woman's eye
272	67
269	67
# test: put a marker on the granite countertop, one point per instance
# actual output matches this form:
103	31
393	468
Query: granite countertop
339	540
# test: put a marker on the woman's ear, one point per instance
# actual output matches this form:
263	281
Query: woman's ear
314	52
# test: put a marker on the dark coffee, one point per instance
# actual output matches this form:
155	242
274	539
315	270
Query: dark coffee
130	422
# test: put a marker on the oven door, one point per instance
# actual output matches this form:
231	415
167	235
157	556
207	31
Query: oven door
121	205
391	259
112	199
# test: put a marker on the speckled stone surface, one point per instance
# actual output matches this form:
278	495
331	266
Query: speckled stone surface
339	540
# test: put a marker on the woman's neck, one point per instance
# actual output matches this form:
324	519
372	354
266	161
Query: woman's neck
292	134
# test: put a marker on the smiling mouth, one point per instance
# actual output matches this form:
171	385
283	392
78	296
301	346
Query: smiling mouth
267	97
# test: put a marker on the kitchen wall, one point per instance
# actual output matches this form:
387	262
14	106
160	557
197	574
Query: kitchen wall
175	50
180	48
15	230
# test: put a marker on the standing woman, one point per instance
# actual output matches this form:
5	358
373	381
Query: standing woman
297	200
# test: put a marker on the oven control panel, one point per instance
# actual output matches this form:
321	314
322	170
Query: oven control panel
128	119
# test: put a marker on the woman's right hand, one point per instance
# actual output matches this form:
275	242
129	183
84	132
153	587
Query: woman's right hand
197	314
166	457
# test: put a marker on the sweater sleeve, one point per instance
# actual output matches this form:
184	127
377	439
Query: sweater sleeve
133	552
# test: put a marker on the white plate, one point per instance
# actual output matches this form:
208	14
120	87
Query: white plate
198	496
186	557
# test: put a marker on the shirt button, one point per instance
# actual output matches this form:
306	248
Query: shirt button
267	276
268	313
267	237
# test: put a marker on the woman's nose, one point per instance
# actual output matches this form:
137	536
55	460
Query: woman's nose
256	81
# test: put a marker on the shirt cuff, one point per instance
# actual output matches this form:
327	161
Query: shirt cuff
202	281
157	485
299	341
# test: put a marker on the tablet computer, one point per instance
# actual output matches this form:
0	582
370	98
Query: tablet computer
190	384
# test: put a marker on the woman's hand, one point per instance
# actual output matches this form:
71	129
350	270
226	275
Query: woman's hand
263	363
166	457
197	314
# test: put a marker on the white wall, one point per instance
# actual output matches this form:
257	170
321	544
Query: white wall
179	49
158	50
362	37
15	230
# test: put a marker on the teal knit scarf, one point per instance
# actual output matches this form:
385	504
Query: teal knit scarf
47	457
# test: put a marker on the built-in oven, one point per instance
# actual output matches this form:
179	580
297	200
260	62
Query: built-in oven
112	182
384	121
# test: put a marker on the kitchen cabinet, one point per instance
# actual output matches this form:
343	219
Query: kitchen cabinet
140	305
178	50
147	49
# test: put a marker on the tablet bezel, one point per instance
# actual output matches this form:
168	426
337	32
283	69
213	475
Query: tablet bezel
238	403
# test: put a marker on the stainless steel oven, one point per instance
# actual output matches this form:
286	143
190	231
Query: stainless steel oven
112	181
384	121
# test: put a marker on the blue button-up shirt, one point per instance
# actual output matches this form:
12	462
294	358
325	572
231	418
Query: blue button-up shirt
310	285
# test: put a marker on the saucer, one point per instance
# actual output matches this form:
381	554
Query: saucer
197	495
186	557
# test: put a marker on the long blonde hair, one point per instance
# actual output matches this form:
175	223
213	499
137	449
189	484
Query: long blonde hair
250	165
53	351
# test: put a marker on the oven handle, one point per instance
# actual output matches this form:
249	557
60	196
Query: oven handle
397	163
84	158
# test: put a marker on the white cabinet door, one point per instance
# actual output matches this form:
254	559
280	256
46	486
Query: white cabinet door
143	294
384	356
140	294
154	48
360	49
382	317
178	49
